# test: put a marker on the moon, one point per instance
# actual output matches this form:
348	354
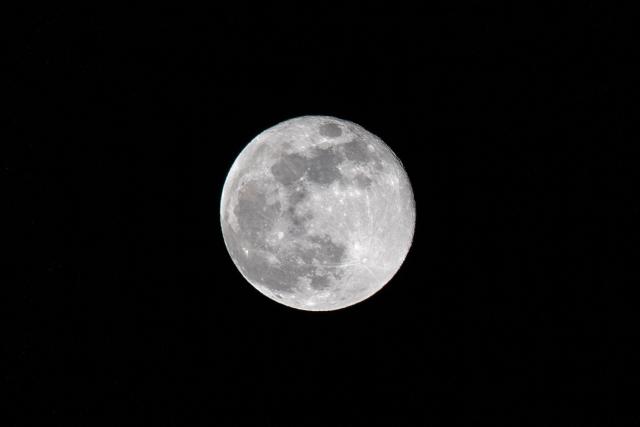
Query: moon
317	213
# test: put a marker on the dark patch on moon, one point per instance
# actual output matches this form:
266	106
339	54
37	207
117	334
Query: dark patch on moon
363	181
319	282
330	130
298	226
357	151
253	213
326	250
289	168
328	254
323	166
297	222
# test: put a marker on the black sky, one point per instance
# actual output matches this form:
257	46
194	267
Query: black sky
514	303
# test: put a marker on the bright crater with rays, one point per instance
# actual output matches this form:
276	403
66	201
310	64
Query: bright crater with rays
317	213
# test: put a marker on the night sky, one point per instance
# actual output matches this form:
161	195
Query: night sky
122	306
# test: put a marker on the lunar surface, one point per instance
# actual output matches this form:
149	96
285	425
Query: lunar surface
317	213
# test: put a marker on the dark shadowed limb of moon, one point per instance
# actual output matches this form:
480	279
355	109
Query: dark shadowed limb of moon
317	213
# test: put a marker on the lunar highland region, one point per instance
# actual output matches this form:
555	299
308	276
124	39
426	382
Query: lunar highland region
317	213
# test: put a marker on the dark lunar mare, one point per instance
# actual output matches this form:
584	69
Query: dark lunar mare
321	167
357	151
253	213
363	181
289	169
327	250
330	130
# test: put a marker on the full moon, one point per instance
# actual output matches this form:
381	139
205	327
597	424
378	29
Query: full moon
317	213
